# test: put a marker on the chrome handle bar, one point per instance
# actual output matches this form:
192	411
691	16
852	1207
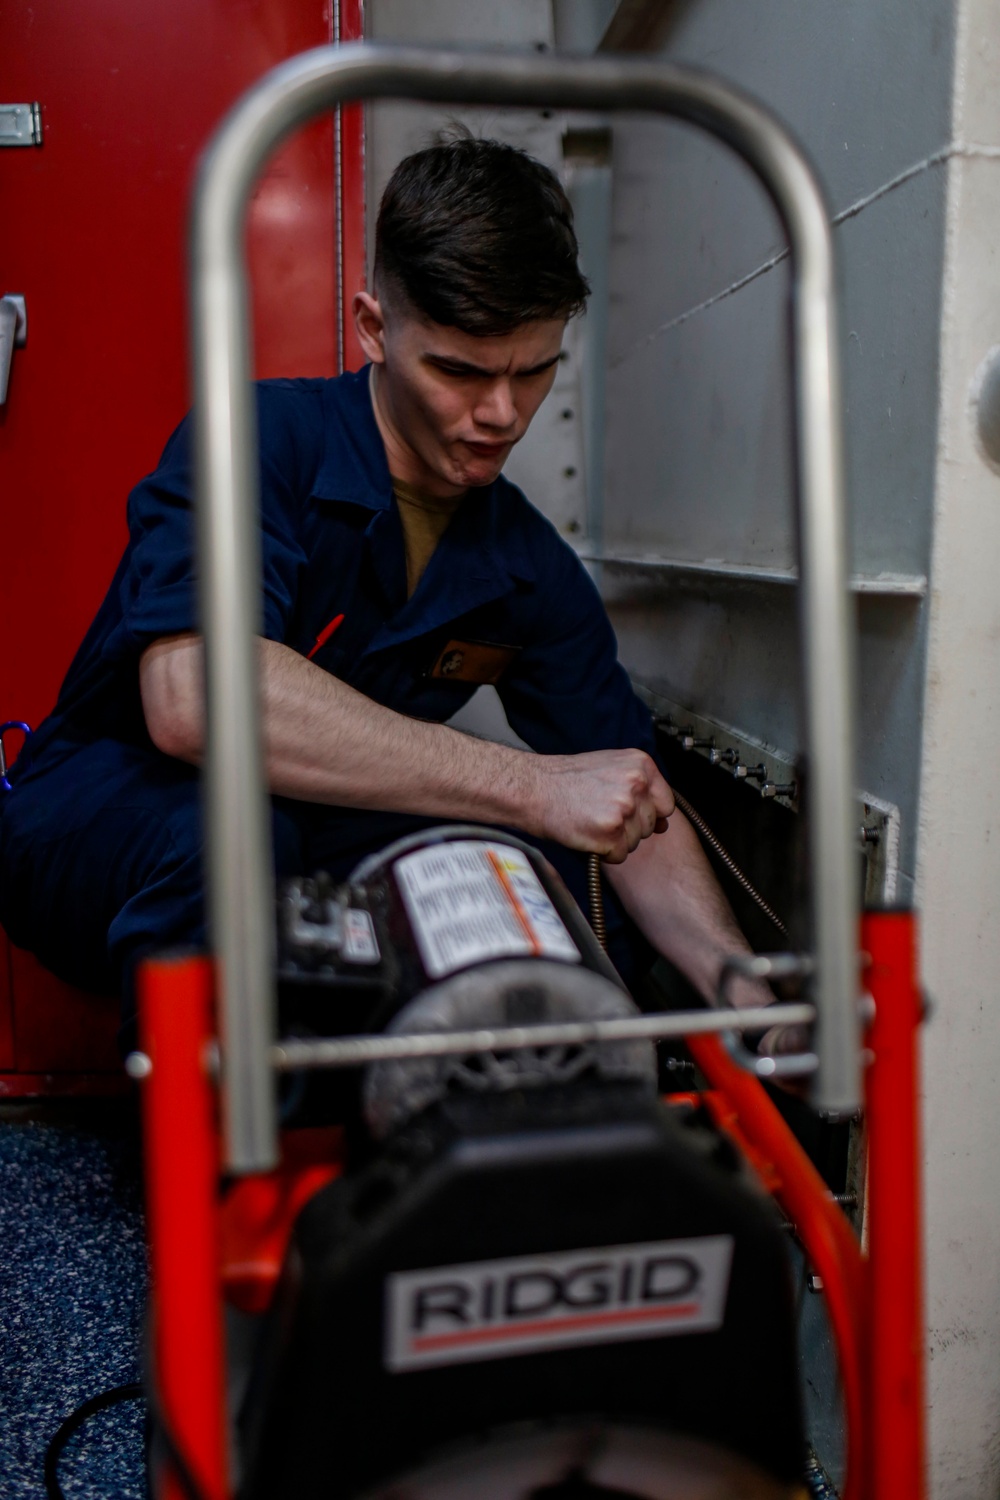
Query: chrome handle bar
240	881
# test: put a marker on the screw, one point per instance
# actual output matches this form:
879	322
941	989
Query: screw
750	773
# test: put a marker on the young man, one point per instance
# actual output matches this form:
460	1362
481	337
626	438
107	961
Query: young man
400	570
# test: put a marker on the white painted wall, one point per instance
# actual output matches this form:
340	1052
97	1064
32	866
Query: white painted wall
958	866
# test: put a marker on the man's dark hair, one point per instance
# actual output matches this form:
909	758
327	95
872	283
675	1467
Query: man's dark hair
479	236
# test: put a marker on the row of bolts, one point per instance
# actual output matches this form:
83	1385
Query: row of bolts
730	757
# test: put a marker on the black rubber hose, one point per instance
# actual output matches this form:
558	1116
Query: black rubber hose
73	1422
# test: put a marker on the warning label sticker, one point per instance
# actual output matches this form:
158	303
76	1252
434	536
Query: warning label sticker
472	900
492	1309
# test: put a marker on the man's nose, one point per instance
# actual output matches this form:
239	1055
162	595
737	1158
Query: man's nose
496	407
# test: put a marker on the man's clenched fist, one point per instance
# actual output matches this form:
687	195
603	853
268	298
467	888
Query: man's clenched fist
604	802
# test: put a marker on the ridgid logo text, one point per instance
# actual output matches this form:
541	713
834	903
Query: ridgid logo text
492	1309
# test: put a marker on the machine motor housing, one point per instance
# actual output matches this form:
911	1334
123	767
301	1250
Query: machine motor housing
515	1250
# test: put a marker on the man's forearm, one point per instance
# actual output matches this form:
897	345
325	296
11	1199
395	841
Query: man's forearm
325	742
669	890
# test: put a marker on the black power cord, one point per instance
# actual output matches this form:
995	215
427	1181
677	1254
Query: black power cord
73	1423
88	1409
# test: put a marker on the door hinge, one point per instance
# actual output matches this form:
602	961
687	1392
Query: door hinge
21	124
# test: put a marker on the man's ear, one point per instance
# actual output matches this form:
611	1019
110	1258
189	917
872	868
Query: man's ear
369	320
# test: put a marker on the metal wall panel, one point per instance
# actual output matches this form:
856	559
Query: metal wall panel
698	396
698	412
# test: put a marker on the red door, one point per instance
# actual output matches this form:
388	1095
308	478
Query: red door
94	239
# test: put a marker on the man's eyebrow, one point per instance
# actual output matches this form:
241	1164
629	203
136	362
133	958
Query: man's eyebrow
454	366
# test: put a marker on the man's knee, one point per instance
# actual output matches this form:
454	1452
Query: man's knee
79	843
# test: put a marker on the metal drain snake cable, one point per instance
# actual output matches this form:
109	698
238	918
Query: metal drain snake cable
695	818
596	900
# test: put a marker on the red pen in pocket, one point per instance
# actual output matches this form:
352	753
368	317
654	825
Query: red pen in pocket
325	635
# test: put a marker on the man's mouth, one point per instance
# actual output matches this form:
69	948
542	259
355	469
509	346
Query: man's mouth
487	450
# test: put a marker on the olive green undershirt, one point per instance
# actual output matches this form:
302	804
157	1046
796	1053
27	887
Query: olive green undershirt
424	519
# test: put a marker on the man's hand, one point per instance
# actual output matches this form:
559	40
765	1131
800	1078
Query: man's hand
782	1040
604	802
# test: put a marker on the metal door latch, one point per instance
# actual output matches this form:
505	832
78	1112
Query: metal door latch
13	335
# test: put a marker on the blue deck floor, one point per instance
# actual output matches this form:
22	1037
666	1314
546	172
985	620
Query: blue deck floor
72	1296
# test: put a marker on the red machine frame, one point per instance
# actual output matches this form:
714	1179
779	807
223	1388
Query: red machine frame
205	1249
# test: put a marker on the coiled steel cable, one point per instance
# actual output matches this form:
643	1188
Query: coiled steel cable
695	818
596	900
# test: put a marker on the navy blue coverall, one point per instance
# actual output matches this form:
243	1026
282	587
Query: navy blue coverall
100	838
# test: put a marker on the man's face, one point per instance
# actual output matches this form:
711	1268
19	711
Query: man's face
451	405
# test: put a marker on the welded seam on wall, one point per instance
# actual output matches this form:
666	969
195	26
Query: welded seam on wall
936	159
